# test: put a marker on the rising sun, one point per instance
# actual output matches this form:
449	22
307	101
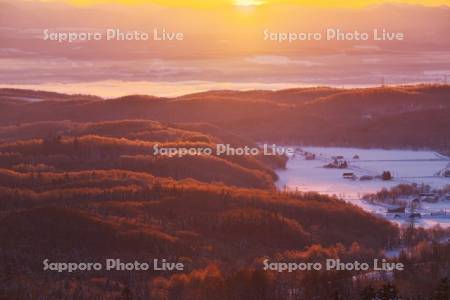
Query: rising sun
248	2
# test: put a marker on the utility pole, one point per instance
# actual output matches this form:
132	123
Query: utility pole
411	228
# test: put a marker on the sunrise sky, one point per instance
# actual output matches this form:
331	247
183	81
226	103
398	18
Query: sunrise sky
224	45
215	3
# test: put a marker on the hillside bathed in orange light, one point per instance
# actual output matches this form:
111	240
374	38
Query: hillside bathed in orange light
224	149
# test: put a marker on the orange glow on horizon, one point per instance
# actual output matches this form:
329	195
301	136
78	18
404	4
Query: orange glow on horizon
248	3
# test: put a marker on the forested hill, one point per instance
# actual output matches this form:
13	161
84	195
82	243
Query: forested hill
407	116
79	183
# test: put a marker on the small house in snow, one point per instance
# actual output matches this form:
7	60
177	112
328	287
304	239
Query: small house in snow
415	215
429	197
349	176
400	209
310	156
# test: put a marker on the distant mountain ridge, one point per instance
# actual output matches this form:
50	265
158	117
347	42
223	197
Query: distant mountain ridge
416	116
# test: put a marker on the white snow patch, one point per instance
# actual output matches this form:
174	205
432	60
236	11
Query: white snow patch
406	166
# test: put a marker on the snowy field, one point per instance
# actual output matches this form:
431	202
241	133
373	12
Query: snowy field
406	166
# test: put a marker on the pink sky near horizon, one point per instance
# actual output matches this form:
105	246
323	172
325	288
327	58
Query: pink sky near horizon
222	47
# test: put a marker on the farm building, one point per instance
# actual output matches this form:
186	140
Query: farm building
400	209
310	156
349	176
415	215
